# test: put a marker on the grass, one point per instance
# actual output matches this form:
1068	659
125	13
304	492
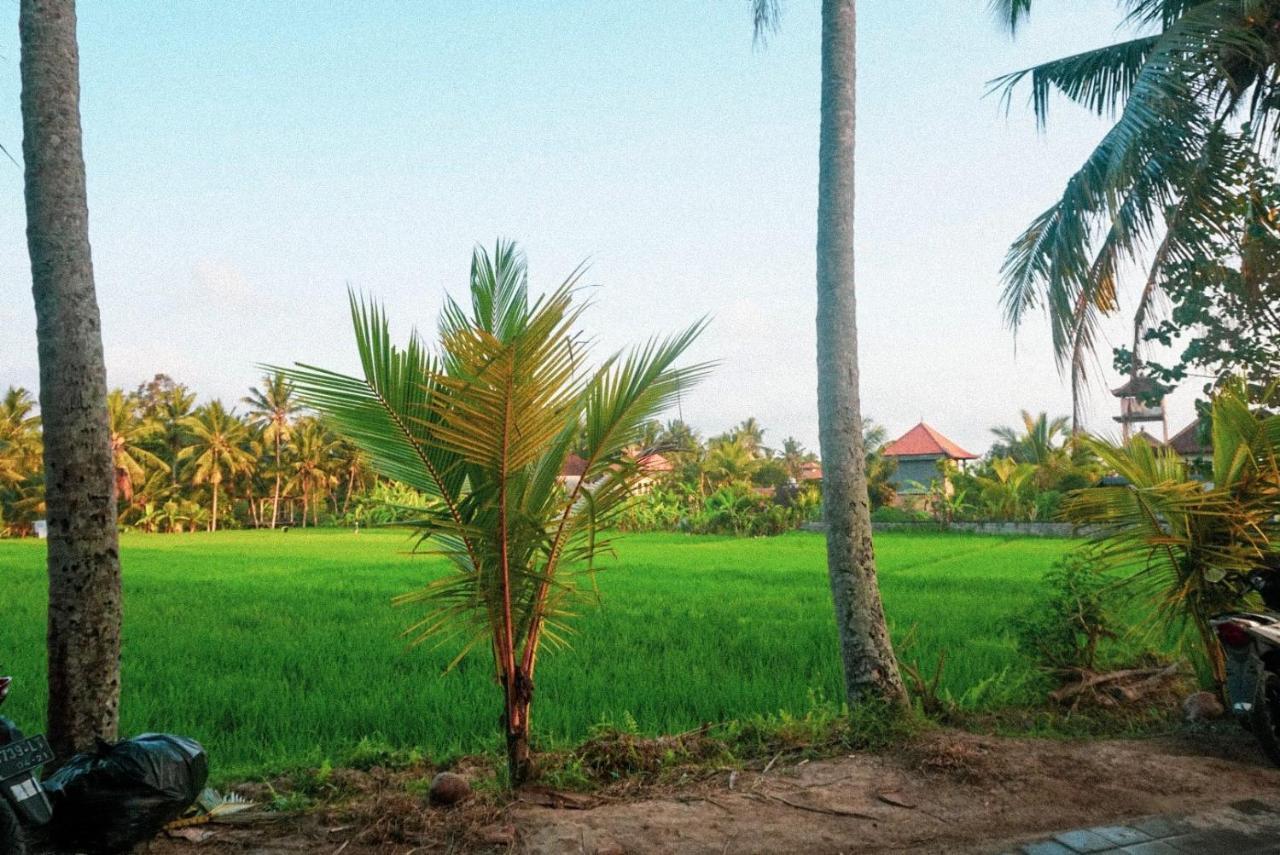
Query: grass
278	650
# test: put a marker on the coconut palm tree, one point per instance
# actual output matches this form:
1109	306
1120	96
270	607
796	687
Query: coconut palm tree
272	408
751	434
128	433
217	450
870	668
83	548
730	460
19	436
311	464
1194	95
351	464
484	430
174	405
1036	442
795	456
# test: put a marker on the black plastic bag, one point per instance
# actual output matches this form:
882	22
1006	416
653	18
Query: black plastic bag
122	794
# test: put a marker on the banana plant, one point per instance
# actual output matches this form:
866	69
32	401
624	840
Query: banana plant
482	425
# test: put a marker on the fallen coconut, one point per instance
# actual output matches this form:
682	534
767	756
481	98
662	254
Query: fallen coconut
448	788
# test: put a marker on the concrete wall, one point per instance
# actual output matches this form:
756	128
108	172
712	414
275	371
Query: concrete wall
1021	529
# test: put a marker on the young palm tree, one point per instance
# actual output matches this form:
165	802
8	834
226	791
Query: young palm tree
870	669
83	547
271	408
128	433
1185	537
217	450
484	429
1159	188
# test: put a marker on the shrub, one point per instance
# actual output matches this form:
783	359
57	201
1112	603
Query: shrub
1063	630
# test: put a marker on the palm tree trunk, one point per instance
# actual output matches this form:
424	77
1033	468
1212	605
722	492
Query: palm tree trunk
519	754
275	499
870	669
213	520
83	549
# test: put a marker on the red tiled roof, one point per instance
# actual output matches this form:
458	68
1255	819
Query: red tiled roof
811	470
924	441
654	462
574	467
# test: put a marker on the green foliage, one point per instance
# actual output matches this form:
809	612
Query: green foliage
889	514
1025	476
1073	616
1223	301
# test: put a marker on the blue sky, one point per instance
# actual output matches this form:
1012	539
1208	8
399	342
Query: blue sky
248	161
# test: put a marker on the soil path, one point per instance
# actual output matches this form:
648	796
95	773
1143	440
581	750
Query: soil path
953	792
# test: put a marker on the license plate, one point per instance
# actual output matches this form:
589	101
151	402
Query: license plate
19	757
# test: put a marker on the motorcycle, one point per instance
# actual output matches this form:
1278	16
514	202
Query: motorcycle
23	801
1250	643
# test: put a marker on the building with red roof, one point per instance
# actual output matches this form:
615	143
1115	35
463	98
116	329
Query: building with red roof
917	453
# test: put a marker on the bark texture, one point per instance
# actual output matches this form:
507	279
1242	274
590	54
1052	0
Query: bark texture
870	669
84	564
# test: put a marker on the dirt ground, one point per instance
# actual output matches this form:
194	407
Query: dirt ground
950	792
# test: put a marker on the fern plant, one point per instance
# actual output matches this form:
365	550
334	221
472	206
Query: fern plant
483	425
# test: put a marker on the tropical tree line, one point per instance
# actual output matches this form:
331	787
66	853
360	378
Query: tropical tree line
733	483
180	467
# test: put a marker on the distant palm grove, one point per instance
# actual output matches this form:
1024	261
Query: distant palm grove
268	462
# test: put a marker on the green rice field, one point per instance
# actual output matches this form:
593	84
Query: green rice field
278	649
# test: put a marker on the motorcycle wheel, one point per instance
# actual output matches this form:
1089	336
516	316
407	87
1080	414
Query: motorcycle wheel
1265	715
12	840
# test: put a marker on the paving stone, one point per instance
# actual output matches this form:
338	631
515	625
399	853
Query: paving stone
1151	847
1121	835
1156	827
1084	840
1046	847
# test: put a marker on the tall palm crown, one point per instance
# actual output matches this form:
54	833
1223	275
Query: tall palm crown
484	427
273	407
1196	99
